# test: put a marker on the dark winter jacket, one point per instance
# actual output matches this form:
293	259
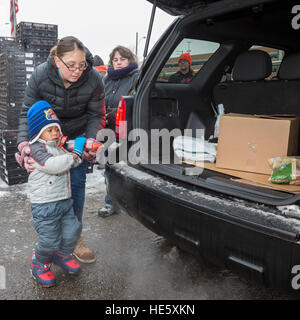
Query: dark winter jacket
80	108
179	77
114	90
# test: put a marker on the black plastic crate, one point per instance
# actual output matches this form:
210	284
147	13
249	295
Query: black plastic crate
18	66
12	95
8	157
9	165
8	162
24	25
9	71
11	180
38	44
11	102
11	86
8	125
14	63
12	57
8	148
42	34
13	89
38	48
9	134
8	44
12	77
10	116
13	82
9	138
13	171
8	40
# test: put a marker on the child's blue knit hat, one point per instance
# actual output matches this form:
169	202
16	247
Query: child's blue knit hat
41	116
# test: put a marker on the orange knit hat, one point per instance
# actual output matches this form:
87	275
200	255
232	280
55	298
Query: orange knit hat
185	56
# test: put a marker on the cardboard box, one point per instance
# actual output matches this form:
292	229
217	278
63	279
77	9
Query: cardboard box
246	142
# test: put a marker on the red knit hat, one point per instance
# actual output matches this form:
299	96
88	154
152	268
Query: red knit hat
185	56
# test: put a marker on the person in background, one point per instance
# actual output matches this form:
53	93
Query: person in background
68	81
99	65
50	194
121	75
185	72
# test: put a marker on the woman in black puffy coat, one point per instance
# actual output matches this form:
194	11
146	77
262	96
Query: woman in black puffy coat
74	89
121	75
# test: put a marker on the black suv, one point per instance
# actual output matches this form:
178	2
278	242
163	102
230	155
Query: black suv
246	57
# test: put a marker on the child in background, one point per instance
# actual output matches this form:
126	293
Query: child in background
50	194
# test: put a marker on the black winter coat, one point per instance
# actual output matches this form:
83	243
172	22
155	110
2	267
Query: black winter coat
114	90
80	108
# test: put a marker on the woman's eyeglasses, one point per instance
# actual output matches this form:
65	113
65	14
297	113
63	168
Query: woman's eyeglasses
73	68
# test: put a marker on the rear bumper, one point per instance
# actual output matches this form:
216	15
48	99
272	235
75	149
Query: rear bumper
202	225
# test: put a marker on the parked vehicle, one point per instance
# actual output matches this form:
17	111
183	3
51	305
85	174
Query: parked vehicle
239	226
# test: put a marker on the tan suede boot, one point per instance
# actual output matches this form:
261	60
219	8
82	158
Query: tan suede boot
83	253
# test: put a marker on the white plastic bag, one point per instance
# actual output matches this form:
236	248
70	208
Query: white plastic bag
194	149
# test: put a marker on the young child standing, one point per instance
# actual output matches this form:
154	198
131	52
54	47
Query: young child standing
50	194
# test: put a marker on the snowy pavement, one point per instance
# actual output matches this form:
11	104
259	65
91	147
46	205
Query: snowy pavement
132	262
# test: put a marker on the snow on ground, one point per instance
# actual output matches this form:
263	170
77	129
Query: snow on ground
95	181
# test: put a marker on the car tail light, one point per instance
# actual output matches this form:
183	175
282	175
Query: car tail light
121	119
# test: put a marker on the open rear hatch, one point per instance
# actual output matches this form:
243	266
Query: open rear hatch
181	7
210	179
186	7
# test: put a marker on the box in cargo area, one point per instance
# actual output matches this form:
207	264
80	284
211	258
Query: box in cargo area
246	142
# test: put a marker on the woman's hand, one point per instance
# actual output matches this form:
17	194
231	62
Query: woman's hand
90	155
27	164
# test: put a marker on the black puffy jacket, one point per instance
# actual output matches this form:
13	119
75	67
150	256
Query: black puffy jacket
80	108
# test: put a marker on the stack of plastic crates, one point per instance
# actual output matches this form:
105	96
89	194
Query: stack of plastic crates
10	171
8	44
37	38
13	74
15	69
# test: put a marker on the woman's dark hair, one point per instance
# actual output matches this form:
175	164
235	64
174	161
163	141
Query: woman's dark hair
124	52
65	45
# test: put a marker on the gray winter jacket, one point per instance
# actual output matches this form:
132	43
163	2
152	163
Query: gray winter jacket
114	90
50	181
80	108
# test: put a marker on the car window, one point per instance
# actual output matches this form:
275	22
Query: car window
186	60
276	56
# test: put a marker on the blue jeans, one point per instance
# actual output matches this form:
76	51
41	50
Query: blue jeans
57	227
78	180
108	203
